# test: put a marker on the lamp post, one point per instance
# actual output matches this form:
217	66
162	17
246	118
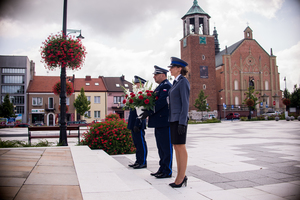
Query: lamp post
63	128
75	31
251	84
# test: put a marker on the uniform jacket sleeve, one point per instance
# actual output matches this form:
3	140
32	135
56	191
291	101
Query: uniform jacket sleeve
184	96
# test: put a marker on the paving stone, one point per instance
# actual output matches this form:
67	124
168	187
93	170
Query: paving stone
34	192
243	184
8	193
238	176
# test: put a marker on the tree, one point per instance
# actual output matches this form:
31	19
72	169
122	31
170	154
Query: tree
201	103
7	108
286	94
82	104
295	97
250	94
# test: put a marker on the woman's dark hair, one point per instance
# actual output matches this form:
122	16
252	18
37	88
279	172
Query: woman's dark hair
183	71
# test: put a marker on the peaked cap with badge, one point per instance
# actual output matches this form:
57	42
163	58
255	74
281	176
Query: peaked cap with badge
178	62
159	70
137	79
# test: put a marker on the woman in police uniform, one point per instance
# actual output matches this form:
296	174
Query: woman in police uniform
178	117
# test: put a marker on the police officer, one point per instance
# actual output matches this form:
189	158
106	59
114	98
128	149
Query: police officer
137	127
158	119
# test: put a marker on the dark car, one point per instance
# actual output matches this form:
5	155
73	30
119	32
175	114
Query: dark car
81	122
22	125
233	116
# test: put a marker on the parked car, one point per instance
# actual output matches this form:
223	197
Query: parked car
210	116
81	122
39	124
272	113
233	116
22	125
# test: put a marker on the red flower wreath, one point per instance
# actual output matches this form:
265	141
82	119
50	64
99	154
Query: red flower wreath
57	88
250	102
286	101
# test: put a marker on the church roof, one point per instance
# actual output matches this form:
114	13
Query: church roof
230	50
195	9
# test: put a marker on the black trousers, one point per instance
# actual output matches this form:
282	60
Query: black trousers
141	146
165	149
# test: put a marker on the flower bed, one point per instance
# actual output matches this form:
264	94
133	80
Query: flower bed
111	135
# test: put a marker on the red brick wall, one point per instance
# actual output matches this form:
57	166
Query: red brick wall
193	55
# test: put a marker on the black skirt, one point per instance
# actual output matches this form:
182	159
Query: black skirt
175	137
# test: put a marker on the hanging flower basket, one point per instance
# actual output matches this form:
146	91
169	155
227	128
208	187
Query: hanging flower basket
67	108
286	101
250	102
57	88
58	51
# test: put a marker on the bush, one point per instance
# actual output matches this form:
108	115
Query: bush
111	135
18	143
244	118
261	117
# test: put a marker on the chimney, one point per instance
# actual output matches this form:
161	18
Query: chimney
88	78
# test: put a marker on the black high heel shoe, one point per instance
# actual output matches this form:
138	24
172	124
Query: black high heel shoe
184	182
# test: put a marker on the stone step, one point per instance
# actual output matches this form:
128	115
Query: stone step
102	177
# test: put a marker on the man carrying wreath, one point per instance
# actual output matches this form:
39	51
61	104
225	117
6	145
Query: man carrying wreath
158	119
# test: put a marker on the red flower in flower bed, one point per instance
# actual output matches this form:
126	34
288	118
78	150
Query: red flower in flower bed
57	88
111	135
58	51
286	101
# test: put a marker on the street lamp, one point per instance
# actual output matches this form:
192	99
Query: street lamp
75	31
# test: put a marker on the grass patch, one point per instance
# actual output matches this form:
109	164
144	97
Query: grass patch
214	120
17	143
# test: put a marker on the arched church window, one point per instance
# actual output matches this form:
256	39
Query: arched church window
236	86
236	101
266	85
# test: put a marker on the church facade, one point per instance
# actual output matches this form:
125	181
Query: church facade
225	75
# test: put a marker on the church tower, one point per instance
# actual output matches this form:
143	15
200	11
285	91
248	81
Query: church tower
198	50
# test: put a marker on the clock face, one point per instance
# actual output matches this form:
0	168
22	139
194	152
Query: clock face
202	40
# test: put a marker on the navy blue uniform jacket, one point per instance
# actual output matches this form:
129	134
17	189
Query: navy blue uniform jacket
160	116
134	121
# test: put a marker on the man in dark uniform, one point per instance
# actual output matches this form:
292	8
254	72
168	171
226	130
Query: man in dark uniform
137	127
158	119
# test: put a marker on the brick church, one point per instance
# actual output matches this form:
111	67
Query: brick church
224	75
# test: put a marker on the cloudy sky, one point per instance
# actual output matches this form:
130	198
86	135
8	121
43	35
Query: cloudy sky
129	37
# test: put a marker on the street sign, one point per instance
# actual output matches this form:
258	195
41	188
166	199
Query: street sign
261	104
267	106
274	103
232	106
224	105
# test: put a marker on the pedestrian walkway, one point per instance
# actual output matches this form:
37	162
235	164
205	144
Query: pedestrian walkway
228	160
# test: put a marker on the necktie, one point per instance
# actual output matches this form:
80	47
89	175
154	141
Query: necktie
175	81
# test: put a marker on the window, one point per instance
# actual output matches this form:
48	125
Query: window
20	109
126	85
87	114
17	99
117	85
97	99
266	85
204	87
37	101
12	89
96	114
87	83
13	71
88	98
236	101
12	79
118	99
50	103
96	83
236	85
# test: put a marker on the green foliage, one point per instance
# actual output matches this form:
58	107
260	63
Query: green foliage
200	102
213	120
286	94
17	143
251	94
81	103
111	135
7	108
295	97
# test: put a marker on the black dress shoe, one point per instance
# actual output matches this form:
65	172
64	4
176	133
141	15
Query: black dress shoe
156	173
162	175
132	165
138	166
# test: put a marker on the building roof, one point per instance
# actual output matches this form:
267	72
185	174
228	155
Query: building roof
89	84
114	84
195	9
227	51
42	84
